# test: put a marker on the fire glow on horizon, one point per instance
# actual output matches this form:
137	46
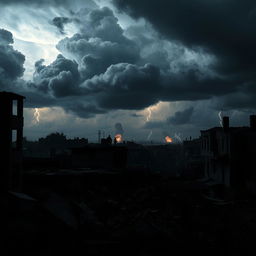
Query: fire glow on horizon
118	138
168	139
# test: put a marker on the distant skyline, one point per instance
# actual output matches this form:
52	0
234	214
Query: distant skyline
157	67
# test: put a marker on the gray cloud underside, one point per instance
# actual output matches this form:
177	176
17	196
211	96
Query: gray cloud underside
179	118
60	23
102	69
35	2
226	29
11	61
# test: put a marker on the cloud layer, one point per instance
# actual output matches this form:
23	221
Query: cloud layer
225	29
198	50
11	61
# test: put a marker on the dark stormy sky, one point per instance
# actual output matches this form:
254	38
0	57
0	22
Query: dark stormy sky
159	68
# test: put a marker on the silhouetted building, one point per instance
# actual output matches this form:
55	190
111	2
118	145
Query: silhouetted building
193	164
100	156
166	159
229	155
11	133
106	141
53	145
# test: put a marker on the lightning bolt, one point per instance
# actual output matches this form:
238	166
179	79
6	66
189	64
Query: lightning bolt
37	115
220	118
149	113
178	137
149	135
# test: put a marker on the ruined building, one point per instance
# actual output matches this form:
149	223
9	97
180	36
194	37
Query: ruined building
192	158
229	155
11	134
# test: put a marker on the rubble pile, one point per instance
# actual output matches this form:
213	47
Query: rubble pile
123	215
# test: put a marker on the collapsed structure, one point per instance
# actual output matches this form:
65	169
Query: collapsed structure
229	155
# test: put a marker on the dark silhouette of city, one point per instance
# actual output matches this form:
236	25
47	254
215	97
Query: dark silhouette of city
72	197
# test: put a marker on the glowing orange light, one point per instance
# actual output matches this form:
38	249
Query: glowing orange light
168	139
118	138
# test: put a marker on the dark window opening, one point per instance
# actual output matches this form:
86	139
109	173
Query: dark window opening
14	139
15	107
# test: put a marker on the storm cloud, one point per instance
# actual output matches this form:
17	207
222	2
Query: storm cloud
35	2
225	29
60	78
181	117
11	61
60	23
185	51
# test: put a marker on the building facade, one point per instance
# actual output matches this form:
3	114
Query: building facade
229	154
11	136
